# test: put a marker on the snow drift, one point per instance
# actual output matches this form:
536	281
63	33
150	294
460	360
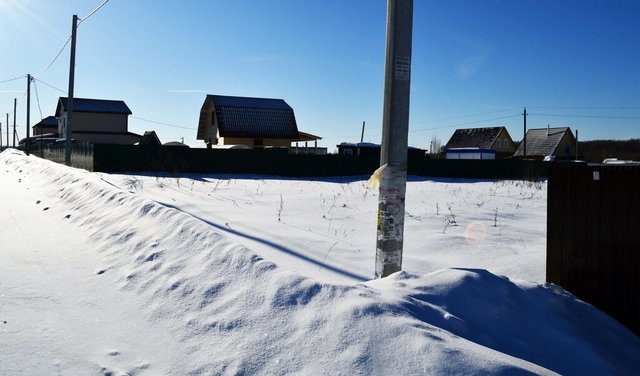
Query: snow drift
228	310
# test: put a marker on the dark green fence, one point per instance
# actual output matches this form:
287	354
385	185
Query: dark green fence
122	158
278	162
112	158
81	153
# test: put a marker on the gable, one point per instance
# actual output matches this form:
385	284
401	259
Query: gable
149	138
243	117
504	143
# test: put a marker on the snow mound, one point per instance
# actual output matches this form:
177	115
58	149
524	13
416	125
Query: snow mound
237	313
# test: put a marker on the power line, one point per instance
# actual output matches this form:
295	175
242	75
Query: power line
160	123
591	107
54	59
37	99
93	12
465	123
13	79
67	41
51	86
589	116
466	116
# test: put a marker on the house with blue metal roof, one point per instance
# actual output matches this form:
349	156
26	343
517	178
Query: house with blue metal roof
98	121
48	125
254	122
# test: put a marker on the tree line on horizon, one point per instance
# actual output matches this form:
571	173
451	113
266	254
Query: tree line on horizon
596	151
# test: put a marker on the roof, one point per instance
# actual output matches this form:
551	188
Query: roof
303	136
248	102
103	106
470	150
483	138
542	141
175	143
247	117
149	138
49	121
359	144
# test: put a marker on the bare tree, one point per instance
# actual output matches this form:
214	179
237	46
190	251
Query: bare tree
435	146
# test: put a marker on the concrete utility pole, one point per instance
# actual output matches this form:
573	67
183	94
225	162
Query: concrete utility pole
524	139
1	132
395	130
7	130
28	111
15	103
72	69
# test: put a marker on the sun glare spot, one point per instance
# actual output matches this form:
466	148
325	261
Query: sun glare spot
21	13
474	233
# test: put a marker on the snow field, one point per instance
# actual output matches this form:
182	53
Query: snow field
190	296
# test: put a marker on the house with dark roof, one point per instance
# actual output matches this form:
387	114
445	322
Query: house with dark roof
48	125
255	122
491	141
150	138
558	143
97	121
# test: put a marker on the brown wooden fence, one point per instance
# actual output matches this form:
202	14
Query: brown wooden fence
593	237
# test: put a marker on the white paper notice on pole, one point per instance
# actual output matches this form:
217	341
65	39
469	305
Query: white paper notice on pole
402	68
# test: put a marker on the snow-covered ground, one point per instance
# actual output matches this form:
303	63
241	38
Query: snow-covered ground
110	274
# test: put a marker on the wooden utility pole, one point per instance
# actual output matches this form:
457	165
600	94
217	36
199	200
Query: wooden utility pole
15	103
524	139
28	111
72	68
576	145
395	133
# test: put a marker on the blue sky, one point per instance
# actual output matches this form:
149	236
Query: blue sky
572	63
